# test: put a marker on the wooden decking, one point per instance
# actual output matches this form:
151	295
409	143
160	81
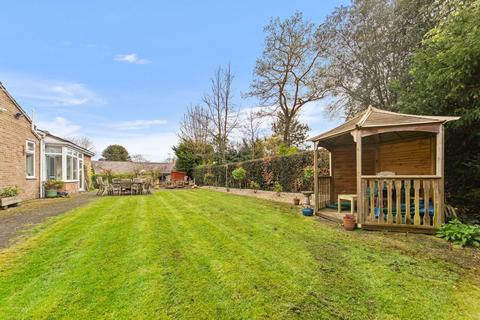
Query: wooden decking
330	214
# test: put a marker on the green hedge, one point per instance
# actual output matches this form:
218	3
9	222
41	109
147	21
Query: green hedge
287	170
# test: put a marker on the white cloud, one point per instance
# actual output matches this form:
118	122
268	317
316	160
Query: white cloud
136	124
131	58
154	146
60	127
39	92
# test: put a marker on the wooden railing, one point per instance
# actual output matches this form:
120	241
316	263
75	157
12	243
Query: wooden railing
324	189
402	200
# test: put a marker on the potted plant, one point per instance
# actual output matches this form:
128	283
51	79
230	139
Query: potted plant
51	188
307	211
254	186
349	222
9	196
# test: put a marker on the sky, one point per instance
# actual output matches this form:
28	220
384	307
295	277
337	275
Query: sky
124	72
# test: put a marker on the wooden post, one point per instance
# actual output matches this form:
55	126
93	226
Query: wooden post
440	219
315	182
358	140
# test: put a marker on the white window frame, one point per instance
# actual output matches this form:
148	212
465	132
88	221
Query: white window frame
49	153
27	152
69	152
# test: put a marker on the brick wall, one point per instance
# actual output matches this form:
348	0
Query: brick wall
13	135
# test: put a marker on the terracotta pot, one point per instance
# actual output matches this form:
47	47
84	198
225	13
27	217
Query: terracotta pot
296	201
349	222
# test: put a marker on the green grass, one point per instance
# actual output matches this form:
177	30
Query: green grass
198	254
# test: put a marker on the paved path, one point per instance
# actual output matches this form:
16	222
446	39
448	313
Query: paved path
30	213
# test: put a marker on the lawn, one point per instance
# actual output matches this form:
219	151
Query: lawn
199	254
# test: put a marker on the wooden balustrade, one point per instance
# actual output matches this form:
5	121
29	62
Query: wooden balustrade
402	200
324	188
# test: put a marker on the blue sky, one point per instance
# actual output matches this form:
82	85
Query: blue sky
125	71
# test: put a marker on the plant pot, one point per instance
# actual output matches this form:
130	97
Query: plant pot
51	193
10	201
349	222
307	212
296	201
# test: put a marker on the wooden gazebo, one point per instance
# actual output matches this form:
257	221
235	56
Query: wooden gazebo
390	164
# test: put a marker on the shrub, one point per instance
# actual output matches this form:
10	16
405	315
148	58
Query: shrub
239	174
209	179
460	233
277	187
254	186
53	184
8	192
308	175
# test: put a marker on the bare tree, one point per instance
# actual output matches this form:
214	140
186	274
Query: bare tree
251	129
138	158
195	125
222	114
290	72
83	142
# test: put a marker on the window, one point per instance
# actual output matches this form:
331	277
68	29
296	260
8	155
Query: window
53	162
72	164
30	159
69	167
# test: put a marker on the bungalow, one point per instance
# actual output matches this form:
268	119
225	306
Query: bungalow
29	157
163	169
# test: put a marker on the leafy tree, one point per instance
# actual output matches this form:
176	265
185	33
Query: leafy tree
115	152
445	80
371	44
188	156
298	131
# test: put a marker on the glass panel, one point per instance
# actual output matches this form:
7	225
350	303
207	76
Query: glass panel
80	173
69	167
75	169
30	160
53	149
54	167
30	146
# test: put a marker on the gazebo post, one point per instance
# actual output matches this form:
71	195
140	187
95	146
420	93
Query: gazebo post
440	158
315	175
358	140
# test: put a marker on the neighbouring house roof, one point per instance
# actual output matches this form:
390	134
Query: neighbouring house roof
50	138
373	117
126	167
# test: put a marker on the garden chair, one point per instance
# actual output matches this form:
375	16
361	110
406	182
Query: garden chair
126	186
146	186
137	186
100	185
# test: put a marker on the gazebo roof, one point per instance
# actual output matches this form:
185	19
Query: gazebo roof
374	118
